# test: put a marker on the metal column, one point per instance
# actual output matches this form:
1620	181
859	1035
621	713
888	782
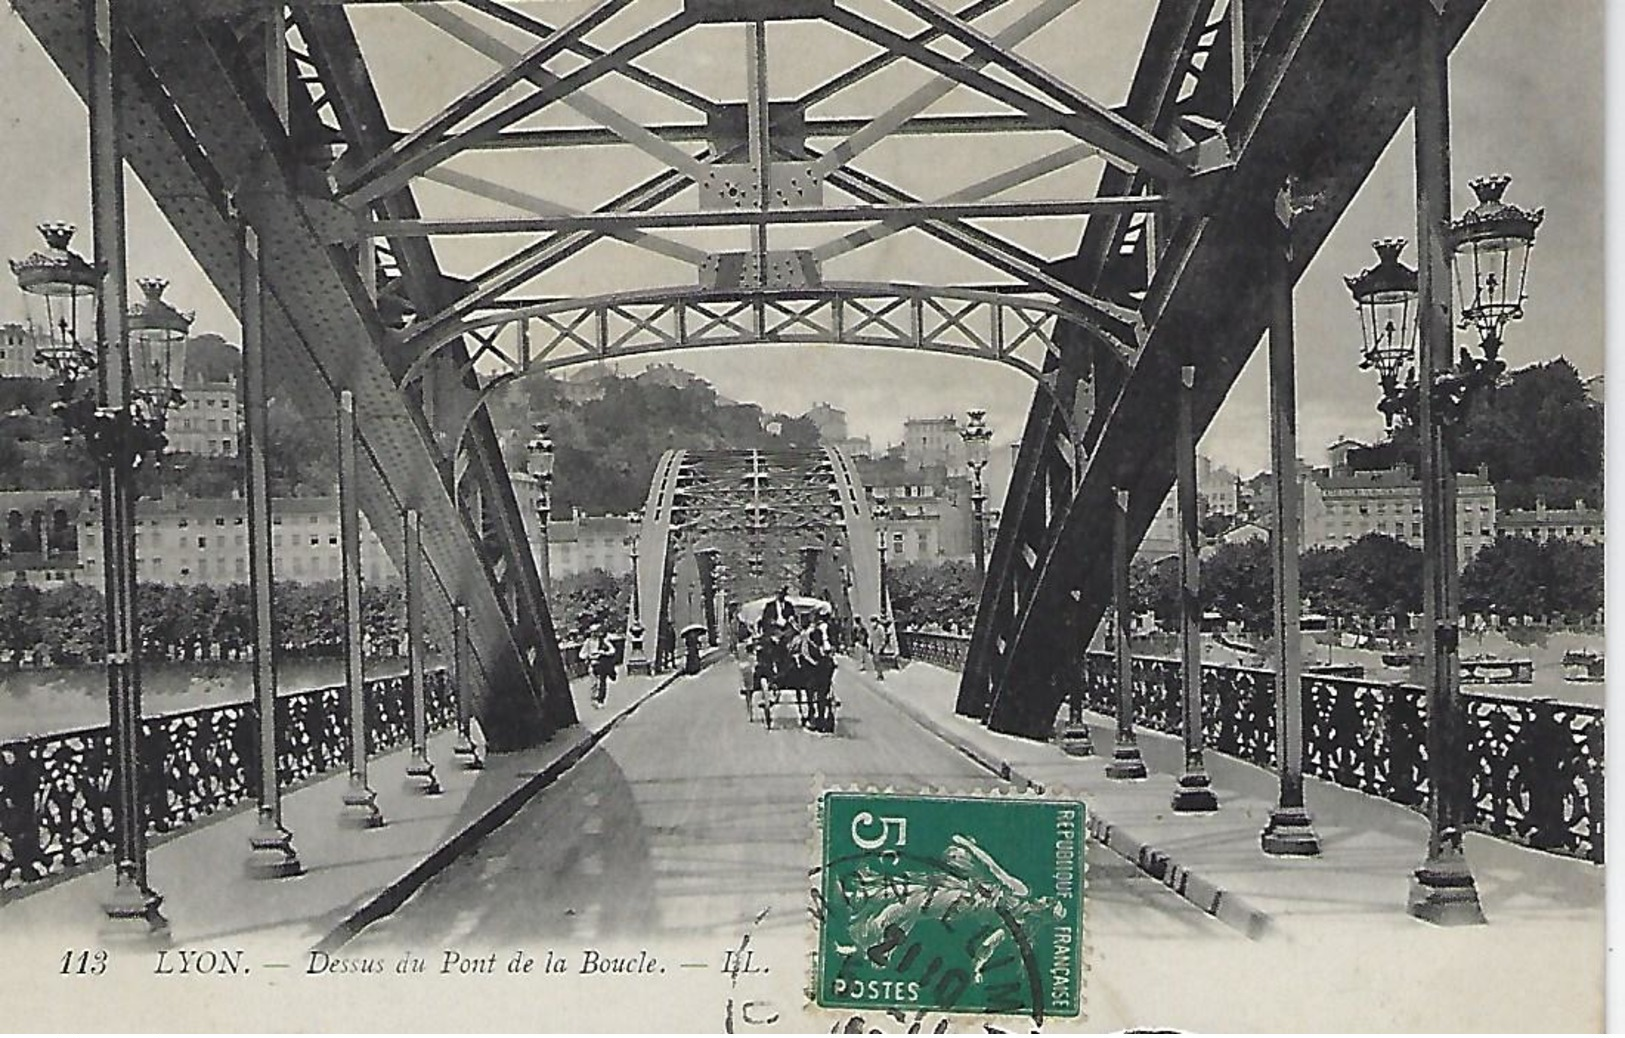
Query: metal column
132	908
1126	760
360	802
1290	829
1195	791
1443	890
420	771
462	672
271	852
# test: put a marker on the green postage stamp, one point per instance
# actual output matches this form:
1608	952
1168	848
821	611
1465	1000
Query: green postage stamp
963	904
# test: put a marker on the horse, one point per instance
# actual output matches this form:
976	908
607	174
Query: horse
808	667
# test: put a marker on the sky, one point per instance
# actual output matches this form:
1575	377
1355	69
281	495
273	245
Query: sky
1527	101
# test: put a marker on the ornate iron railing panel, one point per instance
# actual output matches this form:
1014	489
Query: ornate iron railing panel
1537	772
55	805
939	647
1537	765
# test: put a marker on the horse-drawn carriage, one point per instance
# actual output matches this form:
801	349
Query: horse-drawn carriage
790	663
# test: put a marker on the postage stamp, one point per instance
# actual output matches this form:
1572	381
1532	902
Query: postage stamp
970	904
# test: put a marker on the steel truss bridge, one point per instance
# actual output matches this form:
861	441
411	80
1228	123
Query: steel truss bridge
724	527
285	146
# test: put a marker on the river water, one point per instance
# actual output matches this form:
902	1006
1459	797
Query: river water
55	699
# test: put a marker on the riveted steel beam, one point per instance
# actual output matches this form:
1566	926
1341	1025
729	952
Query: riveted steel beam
903	213
1319	62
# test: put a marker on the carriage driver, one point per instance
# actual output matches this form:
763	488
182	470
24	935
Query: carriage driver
779	618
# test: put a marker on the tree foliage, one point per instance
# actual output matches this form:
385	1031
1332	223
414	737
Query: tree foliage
63	624
607	447
1540	434
1237	583
939	593
1517	576
1373	577
580	600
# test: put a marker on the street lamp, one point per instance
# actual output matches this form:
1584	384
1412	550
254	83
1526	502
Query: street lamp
1491	244
978	439
539	453
885	646
121	421
636	660
116	436
1490	247
1385	296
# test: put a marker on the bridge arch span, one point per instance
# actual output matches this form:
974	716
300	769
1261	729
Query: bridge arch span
978	323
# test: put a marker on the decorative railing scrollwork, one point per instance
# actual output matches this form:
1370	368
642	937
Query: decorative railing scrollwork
939	647
1537	765
55	804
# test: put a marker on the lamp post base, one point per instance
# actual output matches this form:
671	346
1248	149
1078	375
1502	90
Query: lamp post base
360	808
1194	794
468	755
1290	832
1126	763
1443	893
271	854
1076	740
132	915
420	774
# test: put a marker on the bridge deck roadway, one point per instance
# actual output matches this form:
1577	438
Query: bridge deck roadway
689	828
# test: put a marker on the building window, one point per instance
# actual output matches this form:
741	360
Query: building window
219	520
202	542
333	539
182	524
314	540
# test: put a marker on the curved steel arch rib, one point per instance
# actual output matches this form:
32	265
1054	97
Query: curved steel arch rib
773	504
976	323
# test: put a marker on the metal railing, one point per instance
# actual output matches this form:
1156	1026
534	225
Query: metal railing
55	790
1537	764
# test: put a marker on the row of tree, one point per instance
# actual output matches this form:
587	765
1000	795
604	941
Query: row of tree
1378	577
1374	578
64	624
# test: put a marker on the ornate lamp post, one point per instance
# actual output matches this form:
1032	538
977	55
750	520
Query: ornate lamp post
122	423
885	642
539	453
978	440
637	661
1490	245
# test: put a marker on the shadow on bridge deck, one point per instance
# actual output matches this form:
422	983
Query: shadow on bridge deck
349	875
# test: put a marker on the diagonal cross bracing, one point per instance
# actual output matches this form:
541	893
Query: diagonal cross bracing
542	207
397	165
520	67
1157	161
993	185
628	130
659	84
1117	136
886	123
